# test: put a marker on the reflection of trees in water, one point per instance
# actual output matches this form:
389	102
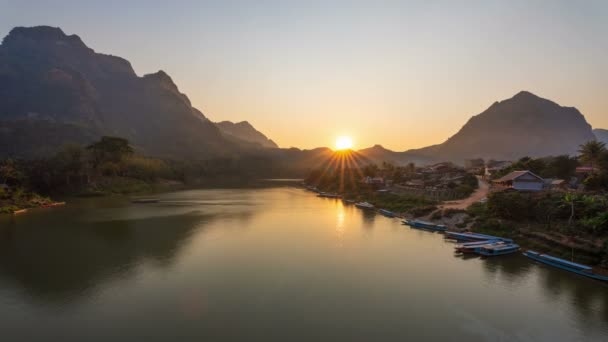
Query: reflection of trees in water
368	217
57	261
510	268
586	297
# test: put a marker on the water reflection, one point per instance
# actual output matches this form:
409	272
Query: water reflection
340	227
588	298
59	262
209	265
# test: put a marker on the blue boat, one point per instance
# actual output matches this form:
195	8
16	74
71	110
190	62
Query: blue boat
469	247
386	213
425	225
495	249
475	237
584	270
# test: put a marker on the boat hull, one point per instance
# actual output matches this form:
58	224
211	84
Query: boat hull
539	258
427	226
386	213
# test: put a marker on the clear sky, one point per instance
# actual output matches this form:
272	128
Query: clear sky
403	74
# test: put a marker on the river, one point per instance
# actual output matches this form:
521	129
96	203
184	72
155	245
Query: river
275	264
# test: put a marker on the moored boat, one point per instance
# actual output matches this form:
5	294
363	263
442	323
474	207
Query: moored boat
145	200
580	269
20	211
348	201
474	237
328	195
497	249
364	205
386	213
425	225
469	247
54	204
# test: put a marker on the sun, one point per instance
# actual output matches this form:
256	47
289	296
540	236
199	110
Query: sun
344	143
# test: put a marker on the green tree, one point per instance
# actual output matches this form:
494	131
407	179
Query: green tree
110	149
10	173
370	170
591	152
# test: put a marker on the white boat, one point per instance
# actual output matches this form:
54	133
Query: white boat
364	205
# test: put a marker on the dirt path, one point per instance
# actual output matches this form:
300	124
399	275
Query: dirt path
480	193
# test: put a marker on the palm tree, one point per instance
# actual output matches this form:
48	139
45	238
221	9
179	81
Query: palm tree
591	152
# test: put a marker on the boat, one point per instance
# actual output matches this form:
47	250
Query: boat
580	269
364	205
328	195
145	200
54	204
475	237
348	201
386	213
469	247
497	249
20	211
425	225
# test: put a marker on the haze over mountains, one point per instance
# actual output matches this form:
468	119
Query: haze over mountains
601	135
55	90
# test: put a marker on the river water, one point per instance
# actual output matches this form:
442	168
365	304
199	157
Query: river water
273	264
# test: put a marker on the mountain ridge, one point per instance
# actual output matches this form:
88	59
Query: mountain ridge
47	75
245	131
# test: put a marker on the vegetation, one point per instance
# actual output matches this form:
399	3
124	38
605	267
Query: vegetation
106	166
563	222
561	167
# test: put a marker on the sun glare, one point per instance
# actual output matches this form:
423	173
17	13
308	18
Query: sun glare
343	143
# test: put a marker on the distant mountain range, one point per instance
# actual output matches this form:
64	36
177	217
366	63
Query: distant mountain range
56	90
524	125
601	135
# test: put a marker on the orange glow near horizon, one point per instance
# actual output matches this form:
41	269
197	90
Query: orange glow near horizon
344	143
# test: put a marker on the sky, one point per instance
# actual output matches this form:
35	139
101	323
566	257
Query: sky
403	74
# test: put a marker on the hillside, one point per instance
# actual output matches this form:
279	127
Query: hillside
524	125
52	82
379	154
245	132
601	135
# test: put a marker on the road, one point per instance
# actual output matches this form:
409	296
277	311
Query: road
481	192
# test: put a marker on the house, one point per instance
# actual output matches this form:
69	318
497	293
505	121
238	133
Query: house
522	181
556	184
493	166
415	183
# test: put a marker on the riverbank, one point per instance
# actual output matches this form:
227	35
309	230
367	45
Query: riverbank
18	200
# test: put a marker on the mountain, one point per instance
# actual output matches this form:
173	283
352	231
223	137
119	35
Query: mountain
524	125
245	132
379	154
601	135
52	86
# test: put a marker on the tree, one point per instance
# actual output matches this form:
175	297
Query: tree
110	149
410	168
10	173
370	170
591	152
71	160
562	167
